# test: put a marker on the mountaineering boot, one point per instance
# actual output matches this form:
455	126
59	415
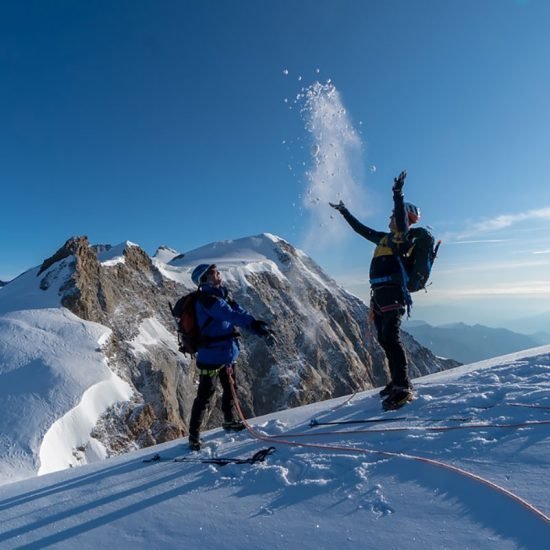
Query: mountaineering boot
397	398
388	388
195	442
233	425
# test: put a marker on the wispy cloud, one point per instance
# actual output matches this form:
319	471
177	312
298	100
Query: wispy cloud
480	241
503	221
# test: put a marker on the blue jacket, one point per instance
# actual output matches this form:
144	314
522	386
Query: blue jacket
217	316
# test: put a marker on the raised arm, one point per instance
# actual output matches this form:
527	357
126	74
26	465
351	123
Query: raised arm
366	232
399	213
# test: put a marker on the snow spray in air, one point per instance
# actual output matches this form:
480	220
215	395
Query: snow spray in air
335	163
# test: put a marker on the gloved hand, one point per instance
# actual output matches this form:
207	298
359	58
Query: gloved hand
340	206
261	328
399	181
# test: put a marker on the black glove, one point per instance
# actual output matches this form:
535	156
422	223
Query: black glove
341	207
399	181
261	328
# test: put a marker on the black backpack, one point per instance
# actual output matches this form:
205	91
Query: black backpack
420	258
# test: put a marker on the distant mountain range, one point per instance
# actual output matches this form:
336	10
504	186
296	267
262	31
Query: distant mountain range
531	324
467	343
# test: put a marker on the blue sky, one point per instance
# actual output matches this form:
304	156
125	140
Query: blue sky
178	123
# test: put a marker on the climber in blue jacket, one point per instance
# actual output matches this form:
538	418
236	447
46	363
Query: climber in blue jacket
217	316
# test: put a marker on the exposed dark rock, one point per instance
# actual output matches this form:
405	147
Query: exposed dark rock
101	248
74	246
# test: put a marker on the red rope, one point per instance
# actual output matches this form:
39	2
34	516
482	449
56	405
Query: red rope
388	454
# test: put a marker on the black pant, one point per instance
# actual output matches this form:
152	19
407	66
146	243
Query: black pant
388	305
207	387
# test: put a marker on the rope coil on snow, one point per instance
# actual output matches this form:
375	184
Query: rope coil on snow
388	454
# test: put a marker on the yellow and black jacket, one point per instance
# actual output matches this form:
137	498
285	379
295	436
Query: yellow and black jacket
385	267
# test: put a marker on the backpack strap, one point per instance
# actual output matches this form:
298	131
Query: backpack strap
381	280
404	279
406	293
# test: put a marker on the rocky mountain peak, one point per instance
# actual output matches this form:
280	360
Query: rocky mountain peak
325	343
75	246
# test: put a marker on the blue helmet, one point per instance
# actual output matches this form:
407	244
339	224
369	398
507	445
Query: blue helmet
199	272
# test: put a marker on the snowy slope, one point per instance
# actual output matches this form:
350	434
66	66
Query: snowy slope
165	254
240	257
372	489
54	379
114	254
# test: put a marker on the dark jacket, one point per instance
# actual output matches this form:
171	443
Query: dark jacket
217	316
385	267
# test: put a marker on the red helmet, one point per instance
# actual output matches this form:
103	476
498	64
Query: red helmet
413	212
